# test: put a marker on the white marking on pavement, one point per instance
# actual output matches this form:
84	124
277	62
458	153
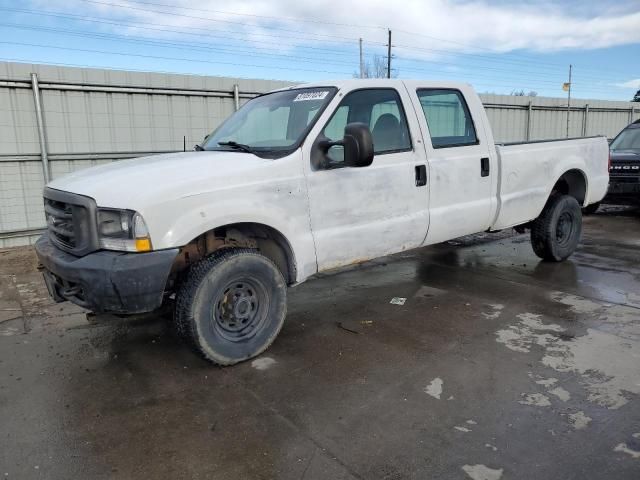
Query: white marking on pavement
579	420
263	363
622	447
497	310
535	400
561	393
434	388
482	472
547	382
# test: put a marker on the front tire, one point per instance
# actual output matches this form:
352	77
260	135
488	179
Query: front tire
556	232
231	306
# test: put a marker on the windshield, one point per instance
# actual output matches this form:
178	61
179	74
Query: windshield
628	139
273	123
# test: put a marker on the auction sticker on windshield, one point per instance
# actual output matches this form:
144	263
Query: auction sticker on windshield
319	95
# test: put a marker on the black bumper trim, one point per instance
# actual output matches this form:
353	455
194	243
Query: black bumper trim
623	192
106	281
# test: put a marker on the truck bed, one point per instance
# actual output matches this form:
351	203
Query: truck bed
529	170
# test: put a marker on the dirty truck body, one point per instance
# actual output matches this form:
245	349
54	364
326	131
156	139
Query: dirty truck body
297	182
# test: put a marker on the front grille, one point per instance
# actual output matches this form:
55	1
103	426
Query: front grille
622	170
71	221
60	223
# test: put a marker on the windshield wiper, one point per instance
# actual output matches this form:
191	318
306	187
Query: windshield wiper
237	146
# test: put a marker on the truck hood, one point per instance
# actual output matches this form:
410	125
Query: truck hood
126	183
625	156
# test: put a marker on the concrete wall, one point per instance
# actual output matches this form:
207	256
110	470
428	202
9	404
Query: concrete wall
93	116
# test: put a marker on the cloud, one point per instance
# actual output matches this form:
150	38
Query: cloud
458	25
630	84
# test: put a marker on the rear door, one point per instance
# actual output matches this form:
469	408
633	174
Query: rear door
366	212
462	168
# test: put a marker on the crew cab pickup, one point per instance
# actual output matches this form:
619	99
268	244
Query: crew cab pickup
300	181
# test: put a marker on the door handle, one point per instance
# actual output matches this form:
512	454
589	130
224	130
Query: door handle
484	167
421	175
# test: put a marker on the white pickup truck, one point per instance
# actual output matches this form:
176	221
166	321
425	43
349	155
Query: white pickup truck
300	181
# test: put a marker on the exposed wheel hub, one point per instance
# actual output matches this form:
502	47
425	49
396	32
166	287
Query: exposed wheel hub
564	228
238	310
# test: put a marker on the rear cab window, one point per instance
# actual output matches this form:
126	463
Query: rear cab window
448	118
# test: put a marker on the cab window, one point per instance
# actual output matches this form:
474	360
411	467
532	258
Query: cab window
448	118
380	109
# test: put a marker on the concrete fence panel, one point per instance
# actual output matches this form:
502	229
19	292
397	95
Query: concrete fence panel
64	119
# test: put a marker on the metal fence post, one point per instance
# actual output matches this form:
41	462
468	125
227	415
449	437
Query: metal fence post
585	120
236	96
630	114
41	132
529	112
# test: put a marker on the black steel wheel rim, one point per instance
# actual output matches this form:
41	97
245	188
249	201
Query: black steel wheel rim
240	310
565	228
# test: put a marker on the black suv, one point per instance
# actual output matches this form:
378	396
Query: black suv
624	171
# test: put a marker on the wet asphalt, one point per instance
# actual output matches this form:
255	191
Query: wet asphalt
496	366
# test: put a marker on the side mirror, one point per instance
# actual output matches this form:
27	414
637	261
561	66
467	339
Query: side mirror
358	145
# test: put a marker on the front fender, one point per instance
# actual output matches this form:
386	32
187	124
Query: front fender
281	205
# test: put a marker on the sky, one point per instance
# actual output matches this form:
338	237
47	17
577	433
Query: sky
498	46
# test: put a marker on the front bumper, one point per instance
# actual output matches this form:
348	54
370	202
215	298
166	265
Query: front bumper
106	281
623	192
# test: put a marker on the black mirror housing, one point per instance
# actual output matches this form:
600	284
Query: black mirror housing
358	145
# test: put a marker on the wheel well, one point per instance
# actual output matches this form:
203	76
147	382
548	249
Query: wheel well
269	241
572	183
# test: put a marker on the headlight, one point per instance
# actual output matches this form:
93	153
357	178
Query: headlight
122	230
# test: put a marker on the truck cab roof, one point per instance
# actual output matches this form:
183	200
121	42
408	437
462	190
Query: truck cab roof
356	83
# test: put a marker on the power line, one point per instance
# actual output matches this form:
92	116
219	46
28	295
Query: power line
294	19
279	44
146	10
516	77
175	45
206	47
159	57
48	13
334	52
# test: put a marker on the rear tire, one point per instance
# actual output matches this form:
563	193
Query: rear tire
231	306
555	234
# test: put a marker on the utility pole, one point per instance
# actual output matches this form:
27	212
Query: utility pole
569	99
389	56
361	61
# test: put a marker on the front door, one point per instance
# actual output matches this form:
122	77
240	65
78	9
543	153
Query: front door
362	213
